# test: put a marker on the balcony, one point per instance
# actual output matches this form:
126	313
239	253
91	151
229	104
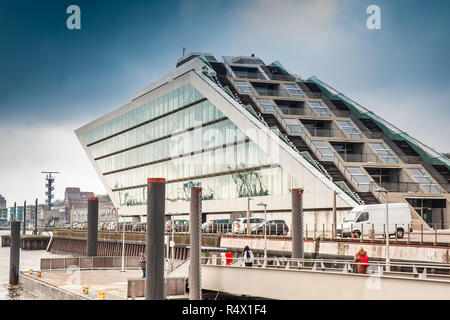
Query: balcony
355	152
297	108
247	73
270	89
403	187
393	179
360	157
329	133
311	89
322	128
275	73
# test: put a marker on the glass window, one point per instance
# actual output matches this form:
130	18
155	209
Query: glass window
324	149
360	177
268	106
244	87
294	126
423	178
363	217
384	152
320	109
294	90
350	129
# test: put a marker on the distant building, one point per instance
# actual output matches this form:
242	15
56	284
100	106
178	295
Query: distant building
75	199
3	215
3	210
2	202
106	211
31	209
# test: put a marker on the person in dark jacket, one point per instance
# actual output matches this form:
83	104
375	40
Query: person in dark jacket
142	263
248	257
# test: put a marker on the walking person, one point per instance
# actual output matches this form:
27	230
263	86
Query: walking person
316	247
142	263
248	257
362	259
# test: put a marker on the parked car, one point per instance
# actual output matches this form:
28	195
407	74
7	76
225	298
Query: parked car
128	226
179	225
142	226
216	226
240	224
272	227
204	225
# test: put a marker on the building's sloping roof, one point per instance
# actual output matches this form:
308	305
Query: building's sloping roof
432	156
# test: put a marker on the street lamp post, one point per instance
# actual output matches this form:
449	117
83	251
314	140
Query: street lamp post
248	214
172	243
388	260
123	245
265	231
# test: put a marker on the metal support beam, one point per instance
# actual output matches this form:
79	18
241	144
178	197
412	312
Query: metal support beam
334	216
15	212
14	255
24	217
35	217
195	244
154	286
92	227
297	224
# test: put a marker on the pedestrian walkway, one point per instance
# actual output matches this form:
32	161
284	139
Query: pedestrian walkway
112	282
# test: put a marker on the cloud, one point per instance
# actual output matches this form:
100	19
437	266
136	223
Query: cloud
291	20
424	115
29	148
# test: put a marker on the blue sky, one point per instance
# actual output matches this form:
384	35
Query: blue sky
53	80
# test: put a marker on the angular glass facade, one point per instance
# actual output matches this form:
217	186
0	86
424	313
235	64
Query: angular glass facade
184	138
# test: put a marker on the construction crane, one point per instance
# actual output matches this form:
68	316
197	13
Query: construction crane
49	187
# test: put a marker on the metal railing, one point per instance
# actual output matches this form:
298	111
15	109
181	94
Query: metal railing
249	75
279	229
360	157
403	187
321	132
419	271
302	111
281	77
261	91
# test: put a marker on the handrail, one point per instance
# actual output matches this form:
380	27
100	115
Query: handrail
341	265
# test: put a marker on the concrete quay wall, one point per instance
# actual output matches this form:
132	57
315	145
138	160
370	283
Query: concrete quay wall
46	291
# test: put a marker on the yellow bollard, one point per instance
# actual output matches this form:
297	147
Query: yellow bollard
38	274
101	295
30	271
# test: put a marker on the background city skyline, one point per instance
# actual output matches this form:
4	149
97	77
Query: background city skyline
54	80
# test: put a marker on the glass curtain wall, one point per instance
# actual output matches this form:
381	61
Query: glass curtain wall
194	144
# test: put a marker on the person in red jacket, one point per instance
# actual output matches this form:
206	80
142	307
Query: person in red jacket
363	260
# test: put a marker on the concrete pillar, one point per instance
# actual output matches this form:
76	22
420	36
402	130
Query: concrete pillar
195	289
297	223
24	216
333	231
14	255
248	214
92	227
156	194
35	217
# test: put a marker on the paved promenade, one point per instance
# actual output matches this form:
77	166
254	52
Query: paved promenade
112	282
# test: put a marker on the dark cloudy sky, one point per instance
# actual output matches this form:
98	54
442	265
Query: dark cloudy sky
54	80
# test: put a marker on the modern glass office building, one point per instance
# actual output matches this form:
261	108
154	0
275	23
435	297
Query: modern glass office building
240	128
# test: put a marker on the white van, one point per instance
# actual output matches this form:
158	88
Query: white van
361	218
